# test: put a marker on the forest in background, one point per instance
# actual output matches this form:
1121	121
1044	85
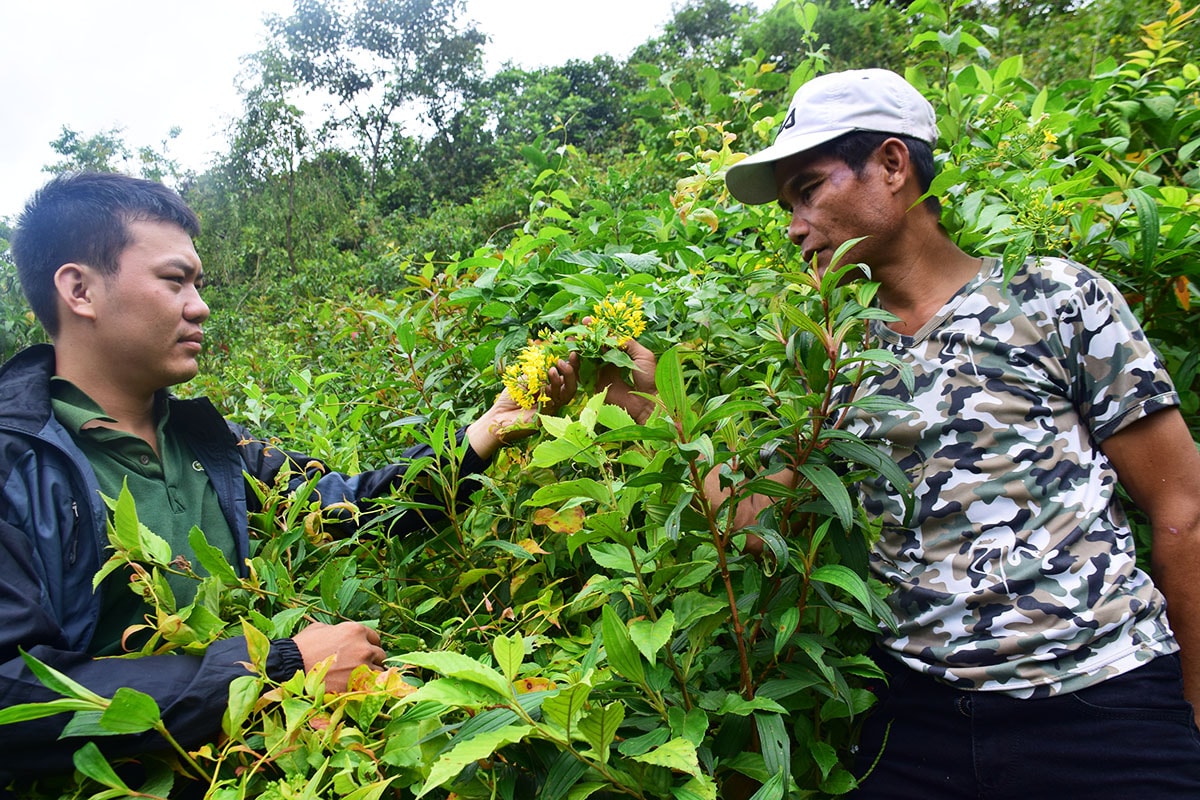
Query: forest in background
590	627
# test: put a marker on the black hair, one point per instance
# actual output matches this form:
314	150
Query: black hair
855	148
83	218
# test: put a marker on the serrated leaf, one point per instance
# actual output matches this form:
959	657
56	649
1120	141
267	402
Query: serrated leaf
211	558
599	728
482	746
700	787
564	708
739	706
677	754
509	653
650	637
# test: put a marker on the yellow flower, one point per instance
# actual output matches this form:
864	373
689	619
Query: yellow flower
623	317
525	379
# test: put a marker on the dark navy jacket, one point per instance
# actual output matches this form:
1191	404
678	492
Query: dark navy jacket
52	542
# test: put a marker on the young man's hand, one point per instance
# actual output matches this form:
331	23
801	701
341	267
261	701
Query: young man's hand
621	392
351	643
506	422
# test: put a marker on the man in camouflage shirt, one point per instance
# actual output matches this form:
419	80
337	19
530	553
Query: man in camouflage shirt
1033	657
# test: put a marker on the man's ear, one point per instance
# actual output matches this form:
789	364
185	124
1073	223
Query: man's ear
76	287
896	163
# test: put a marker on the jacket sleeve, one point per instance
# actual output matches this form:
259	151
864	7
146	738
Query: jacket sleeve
264	460
191	691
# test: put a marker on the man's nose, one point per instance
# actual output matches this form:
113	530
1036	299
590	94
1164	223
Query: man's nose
196	309
797	228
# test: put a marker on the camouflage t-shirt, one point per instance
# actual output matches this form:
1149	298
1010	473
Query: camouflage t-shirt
1013	570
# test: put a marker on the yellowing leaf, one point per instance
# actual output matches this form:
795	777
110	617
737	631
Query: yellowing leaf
527	685
1183	293
532	547
569	520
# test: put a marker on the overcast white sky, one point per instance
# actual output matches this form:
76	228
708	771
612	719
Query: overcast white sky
145	66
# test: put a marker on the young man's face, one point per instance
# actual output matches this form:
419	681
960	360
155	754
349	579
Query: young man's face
149	314
830	204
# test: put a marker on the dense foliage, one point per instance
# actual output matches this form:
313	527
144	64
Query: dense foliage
591	625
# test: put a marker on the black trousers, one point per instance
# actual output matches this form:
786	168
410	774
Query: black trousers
1132	736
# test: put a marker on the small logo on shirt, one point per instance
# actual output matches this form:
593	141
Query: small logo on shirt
196	465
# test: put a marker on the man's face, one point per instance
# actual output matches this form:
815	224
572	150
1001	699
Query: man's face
149	314
830	205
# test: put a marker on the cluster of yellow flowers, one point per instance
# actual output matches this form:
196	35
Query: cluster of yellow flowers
615	322
526	378
623	318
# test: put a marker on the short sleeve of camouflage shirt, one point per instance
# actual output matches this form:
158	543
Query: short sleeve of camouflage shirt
1013	569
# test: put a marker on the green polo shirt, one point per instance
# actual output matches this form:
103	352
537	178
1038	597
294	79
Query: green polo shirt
172	493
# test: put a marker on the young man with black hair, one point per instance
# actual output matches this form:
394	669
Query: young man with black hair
109	268
1034	659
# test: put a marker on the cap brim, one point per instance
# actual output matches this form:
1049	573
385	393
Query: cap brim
752	180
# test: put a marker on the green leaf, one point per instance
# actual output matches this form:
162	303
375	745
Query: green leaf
28	711
258	646
482	746
845	578
564	773
244	692
564	708
211	558
456	665
700	787
668	378
569	490
622	655
825	755
650	637
832	489
599	728
131	711
56	681
372	791
456	693
772	788
124	526
91	762
509	653
1147	216
739	706
775	743
677	754
788	623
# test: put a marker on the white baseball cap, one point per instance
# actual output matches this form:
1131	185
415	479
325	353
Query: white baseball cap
827	107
